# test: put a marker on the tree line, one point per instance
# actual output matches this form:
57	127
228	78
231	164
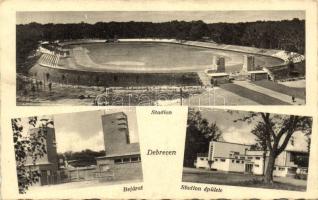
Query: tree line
286	34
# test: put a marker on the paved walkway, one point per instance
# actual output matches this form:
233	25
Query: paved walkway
283	97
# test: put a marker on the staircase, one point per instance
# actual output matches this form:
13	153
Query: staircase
205	79
270	74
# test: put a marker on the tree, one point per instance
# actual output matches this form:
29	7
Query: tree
30	147
261	144
199	133
277	131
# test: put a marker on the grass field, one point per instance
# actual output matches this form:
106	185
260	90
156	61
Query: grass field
239	179
292	91
253	95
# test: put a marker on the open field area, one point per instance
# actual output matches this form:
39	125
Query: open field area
237	179
64	187
237	93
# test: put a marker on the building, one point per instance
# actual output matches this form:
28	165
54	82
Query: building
219	78
47	165
233	157
122	160
258	75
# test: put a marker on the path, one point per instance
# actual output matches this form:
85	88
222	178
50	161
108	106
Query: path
271	93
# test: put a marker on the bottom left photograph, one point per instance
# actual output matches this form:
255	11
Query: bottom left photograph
76	150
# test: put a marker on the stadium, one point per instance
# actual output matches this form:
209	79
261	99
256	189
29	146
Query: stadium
153	62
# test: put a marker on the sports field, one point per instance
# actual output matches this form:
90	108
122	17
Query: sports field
152	58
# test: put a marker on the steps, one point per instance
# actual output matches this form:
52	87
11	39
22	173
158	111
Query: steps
205	79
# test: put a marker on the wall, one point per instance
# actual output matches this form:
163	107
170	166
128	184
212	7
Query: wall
126	171
220	79
281	173
220	165
108	79
202	163
236	167
258	77
222	149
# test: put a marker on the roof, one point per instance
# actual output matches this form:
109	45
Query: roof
218	74
297	151
231	143
119	155
257	72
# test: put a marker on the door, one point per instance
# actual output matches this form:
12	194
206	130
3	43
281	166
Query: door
248	168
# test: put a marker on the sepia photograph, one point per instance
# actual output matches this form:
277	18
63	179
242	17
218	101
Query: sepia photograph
157	58
76	150
247	149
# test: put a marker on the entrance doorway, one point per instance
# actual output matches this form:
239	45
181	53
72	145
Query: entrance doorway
249	168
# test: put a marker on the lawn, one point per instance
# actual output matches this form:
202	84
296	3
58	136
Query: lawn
296	92
252	95
239	179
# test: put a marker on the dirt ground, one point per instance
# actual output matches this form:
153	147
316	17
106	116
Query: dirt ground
240	179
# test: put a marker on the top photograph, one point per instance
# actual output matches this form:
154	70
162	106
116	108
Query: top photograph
160	58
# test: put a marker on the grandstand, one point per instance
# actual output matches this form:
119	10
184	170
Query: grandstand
49	60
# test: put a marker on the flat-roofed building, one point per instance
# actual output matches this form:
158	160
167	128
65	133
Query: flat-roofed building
219	78
234	157
258	75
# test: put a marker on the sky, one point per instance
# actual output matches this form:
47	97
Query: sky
240	132
83	130
154	16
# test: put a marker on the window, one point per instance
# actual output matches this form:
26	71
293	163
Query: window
126	160
281	168
236	157
292	157
134	159
257	158
222	160
232	161
242	162
256	165
201	158
242	157
237	161
104	168
117	161
250	158
216	160
236	153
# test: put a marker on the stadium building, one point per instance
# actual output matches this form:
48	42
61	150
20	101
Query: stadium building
233	157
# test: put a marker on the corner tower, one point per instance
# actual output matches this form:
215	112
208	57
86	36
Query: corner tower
116	132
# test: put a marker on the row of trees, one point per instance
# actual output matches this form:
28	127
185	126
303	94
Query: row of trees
273	133
83	158
286	34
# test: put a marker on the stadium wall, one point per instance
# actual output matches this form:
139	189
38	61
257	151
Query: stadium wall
107	79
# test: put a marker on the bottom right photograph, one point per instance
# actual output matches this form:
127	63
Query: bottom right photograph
247	149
